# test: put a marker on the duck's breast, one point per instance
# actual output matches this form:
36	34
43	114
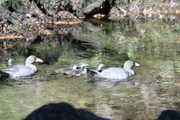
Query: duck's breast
19	71
113	73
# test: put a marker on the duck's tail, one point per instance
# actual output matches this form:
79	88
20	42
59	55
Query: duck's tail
3	75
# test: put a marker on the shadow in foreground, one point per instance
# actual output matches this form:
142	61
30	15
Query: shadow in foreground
61	111
169	115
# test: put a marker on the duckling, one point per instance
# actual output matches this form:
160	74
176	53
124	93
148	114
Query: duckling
67	71
9	61
82	70
73	70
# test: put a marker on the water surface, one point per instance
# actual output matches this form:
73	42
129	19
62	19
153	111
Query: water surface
155	86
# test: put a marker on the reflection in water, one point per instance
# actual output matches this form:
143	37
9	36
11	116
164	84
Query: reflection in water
149	96
150	99
102	107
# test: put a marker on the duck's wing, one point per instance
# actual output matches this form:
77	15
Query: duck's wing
19	70
13	69
113	73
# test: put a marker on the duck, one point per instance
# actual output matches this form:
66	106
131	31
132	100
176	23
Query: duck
23	70
115	74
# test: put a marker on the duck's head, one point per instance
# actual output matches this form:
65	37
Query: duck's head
32	59
128	65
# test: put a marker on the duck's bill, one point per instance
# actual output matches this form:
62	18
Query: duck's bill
137	64
39	60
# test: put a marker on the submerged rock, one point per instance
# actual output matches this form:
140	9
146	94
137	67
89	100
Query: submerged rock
65	15
100	6
114	14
